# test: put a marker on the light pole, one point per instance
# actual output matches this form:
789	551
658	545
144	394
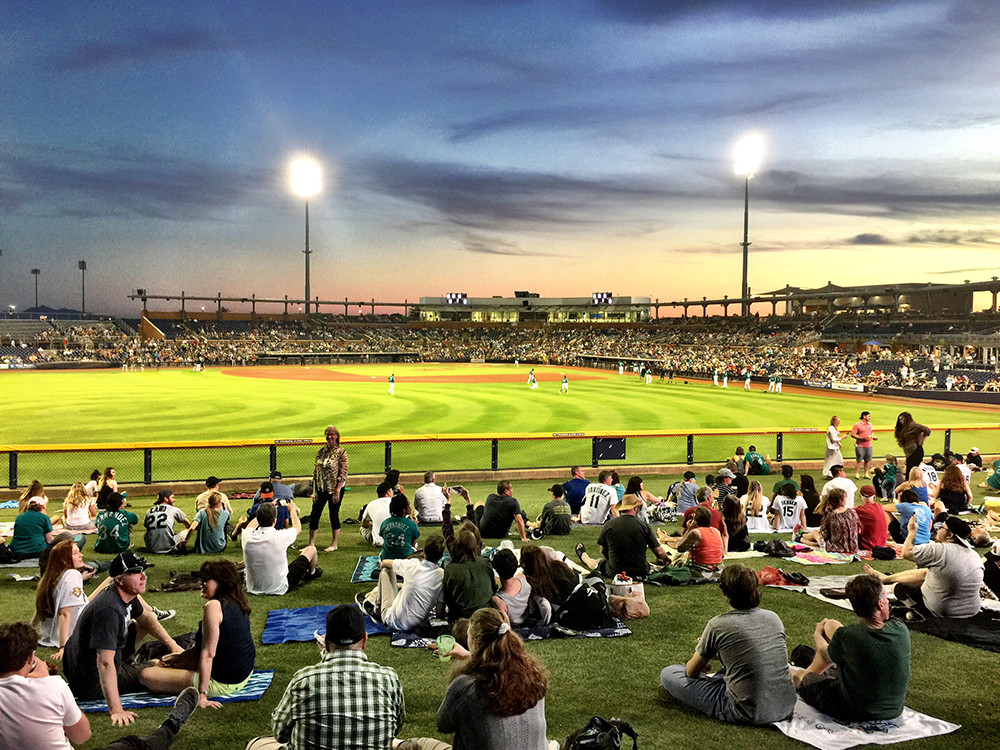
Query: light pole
82	265
748	153
35	272
305	175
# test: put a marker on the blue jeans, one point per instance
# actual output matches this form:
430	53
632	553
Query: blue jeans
707	694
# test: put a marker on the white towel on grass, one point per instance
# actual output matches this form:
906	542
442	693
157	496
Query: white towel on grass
819	730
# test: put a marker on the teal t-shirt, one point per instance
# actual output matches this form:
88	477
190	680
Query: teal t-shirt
30	529
113	531
398	535
874	667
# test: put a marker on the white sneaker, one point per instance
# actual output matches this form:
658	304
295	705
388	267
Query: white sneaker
162	614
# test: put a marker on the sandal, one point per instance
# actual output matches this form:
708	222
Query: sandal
580	550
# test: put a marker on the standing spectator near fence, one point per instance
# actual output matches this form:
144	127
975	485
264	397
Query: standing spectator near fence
863	434
329	480
910	436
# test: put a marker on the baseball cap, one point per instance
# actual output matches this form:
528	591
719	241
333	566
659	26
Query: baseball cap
868	491
973	449
345	625
959	529
690	475
128	562
266	489
212	481
275	475
726	473
557	490
163	495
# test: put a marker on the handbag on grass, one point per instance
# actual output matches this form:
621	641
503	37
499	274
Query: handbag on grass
602	734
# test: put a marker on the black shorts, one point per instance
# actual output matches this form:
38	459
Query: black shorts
297	570
822	692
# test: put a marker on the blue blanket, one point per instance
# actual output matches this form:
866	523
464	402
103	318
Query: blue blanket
300	625
252	691
618	630
8	504
367	565
366	571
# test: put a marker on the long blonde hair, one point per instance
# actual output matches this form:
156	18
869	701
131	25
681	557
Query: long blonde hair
213	509
35	489
755	498
76	499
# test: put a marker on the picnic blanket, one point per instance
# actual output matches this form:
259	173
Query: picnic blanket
252	691
301	624
819	730
814	556
367	564
31	562
744	555
618	630
981	631
8	504
818	583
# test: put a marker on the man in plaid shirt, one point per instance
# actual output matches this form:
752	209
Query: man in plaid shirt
344	702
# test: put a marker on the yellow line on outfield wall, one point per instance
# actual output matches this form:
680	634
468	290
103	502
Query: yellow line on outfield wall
428	437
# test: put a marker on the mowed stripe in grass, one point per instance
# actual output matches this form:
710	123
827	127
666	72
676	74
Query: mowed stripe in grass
177	405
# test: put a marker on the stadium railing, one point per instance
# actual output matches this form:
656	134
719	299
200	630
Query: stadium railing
148	463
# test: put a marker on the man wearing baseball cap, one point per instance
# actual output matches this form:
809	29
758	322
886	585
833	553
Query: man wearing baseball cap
345	700
281	491
623	541
949	573
557	516
116	619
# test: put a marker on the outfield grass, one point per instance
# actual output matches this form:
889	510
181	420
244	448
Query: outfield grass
614	677
108	406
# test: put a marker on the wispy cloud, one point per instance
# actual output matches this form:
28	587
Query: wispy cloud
507	199
477	243
868	238
136	47
105	182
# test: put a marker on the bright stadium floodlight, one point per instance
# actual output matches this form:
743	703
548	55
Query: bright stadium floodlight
748	153
305	179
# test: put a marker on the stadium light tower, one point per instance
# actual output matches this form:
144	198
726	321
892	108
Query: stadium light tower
82	265
35	272
306	182
748	154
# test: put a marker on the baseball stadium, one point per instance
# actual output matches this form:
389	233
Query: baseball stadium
480	396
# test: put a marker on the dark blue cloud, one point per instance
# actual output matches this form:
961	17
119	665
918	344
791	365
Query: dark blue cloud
868	238
138	46
109	182
665	11
497	198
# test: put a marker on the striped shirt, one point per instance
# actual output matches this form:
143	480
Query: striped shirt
344	702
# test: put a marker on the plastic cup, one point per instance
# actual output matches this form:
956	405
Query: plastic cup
445	644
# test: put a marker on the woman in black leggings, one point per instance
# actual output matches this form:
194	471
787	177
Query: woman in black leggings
911	435
329	479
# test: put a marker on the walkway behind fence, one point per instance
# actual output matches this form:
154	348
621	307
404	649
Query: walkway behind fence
138	463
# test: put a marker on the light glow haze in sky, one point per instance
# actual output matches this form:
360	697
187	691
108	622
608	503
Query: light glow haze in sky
483	146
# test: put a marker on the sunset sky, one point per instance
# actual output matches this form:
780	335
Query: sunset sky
482	146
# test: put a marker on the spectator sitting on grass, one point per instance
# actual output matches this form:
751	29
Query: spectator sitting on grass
32	531
499	511
514	596
419	597
375	513
705	545
469	583
838	531
114	526
557	516
857	672
949	575
267	568
42	714
753	685
399	532
264	495
623	541
210	526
